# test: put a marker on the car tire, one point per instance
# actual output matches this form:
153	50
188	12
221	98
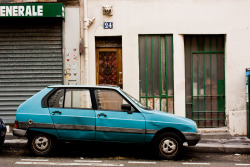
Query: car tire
168	146
41	144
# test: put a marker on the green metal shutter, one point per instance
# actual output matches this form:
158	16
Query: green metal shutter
30	59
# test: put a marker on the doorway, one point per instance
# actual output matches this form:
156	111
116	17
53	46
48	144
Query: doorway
109	61
205	80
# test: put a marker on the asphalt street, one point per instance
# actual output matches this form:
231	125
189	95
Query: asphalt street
108	154
189	160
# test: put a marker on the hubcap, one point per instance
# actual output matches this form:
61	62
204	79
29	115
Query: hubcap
42	143
168	146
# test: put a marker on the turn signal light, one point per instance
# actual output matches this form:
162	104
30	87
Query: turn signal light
16	124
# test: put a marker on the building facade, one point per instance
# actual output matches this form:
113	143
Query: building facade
37	38
183	57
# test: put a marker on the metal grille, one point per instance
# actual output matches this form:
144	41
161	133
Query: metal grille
205	80
156	71
30	59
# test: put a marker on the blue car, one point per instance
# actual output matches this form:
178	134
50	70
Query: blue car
99	113
2	132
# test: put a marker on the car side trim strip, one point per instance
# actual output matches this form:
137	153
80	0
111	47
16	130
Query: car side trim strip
27	125
151	131
74	127
119	130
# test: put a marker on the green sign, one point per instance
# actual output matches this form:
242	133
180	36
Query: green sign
32	10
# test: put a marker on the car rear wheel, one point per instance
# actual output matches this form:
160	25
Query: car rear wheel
168	146
41	144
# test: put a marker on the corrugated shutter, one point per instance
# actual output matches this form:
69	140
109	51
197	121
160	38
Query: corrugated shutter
30	59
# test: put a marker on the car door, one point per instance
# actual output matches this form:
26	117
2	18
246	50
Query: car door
115	124
72	113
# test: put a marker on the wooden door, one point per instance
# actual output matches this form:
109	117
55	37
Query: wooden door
109	66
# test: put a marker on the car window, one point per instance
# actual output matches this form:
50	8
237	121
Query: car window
56	100
72	98
77	98
109	100
137	102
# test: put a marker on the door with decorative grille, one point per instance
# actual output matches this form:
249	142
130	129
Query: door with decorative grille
109	66
205	80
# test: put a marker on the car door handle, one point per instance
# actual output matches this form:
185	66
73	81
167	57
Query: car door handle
101	114
59	112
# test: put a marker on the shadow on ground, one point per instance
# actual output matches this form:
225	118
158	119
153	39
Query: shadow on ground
105	150
115	151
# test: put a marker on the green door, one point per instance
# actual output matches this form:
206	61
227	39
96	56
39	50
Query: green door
157	71
205	81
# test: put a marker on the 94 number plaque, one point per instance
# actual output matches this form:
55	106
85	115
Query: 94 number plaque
108	25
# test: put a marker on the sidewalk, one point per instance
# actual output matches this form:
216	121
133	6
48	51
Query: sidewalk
221	142
236	145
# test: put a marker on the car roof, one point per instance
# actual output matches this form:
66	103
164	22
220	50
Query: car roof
85	86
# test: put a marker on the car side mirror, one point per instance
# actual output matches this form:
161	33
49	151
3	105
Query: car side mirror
127	107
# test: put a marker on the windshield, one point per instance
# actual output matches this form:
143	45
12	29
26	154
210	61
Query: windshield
137	102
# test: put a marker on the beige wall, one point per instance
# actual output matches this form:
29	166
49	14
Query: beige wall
71	39
180	17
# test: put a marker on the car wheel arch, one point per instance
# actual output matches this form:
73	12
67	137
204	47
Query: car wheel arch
172	130
33	132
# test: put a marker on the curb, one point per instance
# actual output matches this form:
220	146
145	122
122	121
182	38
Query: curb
219	148
15	143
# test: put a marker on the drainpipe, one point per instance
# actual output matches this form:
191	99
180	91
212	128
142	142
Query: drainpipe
86	23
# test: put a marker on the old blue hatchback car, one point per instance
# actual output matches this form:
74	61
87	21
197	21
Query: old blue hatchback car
99	113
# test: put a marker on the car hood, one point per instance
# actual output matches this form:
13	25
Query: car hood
172	116
158	120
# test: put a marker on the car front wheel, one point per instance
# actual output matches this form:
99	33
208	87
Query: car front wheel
41	144
169	146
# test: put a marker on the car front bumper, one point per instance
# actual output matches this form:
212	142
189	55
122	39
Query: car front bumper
19	132
192	138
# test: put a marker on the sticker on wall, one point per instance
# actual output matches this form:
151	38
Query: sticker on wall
68	74
74	58
74	49
67	59
75	74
